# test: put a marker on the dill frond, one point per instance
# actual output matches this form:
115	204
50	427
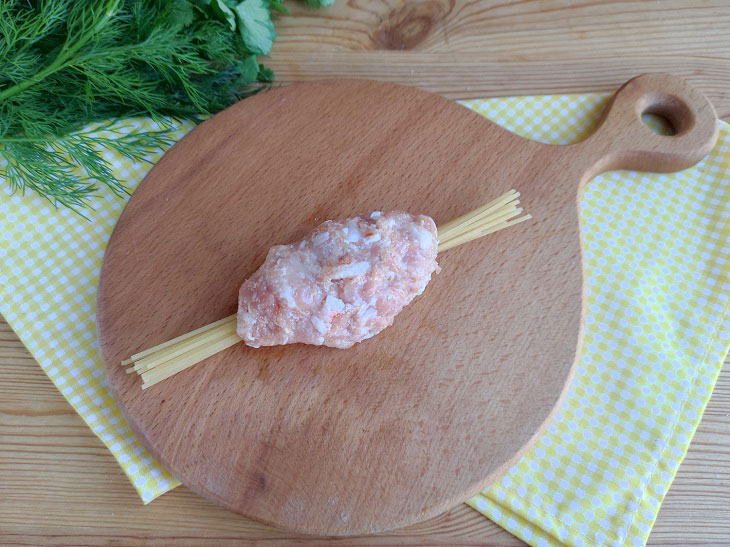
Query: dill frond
66	64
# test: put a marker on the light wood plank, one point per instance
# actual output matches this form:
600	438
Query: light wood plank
555	29
469	49
474	75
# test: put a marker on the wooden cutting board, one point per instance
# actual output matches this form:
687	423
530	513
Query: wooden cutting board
427	413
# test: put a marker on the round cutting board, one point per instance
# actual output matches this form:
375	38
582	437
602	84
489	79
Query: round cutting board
419	418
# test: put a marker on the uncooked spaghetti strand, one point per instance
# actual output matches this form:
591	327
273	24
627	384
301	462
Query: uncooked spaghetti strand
498	217
465	220
459	241
495	218
166	354
187	360
164	360
180	338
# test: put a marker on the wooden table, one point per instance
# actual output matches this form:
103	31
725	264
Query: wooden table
59	485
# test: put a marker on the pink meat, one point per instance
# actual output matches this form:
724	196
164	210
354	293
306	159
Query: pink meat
343	283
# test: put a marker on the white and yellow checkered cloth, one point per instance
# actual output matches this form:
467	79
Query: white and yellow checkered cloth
657	331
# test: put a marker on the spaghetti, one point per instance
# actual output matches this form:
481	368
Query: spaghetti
164	360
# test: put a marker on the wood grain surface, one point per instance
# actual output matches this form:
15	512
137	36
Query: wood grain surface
61	486
489	48
411	423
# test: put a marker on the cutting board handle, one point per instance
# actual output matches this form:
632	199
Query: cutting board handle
623	140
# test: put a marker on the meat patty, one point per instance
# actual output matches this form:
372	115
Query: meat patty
343	283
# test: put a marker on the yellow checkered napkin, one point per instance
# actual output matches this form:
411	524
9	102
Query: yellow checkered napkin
50	261
657	332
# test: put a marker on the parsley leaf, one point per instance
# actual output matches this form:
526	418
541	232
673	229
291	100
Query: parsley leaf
276	5
255	26
249	70
319	3
181	14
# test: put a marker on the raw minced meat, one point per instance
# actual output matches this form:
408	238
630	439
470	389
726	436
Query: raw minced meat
343	283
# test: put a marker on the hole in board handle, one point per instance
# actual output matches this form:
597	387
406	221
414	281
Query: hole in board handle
658	124
665	114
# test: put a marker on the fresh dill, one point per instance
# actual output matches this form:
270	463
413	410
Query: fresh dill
66	65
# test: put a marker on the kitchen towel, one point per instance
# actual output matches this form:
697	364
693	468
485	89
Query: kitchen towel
657	331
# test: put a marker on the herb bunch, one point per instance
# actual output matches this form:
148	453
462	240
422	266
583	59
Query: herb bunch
66	64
